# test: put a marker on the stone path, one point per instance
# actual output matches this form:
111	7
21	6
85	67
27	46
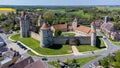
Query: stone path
75	50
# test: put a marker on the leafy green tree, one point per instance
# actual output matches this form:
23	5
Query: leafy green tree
49	16
116	64
117	25
104	62
2	17
117	56
57	32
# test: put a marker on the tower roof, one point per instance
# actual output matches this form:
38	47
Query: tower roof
75	20
45	26
23	13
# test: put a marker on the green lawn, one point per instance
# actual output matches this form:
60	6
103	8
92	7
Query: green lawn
83	48
102	44
35	45
115	42
80	61
67	34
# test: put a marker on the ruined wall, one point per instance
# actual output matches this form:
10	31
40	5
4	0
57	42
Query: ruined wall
63	39
35	36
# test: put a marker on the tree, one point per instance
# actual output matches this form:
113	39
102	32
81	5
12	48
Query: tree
57	32
117	56
116	64
104	62
117	26
48	16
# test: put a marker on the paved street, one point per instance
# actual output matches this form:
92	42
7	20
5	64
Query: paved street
111	49
12	45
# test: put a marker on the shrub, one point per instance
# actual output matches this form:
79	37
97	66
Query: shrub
57	33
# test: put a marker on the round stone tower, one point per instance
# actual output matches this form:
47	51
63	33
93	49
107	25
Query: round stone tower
46	36
24	25
93	34
39	20
74	24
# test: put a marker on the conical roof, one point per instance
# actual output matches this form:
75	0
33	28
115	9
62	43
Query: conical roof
75	20
45	26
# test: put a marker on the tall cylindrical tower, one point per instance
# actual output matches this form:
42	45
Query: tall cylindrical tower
93	34
46	36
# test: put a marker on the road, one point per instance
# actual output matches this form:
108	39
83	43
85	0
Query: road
12	45
111	49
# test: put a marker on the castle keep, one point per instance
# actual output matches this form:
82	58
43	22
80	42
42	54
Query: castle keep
24	25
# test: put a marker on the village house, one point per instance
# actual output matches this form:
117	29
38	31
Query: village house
110	30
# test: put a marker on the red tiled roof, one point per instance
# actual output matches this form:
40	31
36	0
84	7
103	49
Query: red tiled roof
44	26
83	29
60	26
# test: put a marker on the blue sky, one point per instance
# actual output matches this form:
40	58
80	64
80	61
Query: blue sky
59	2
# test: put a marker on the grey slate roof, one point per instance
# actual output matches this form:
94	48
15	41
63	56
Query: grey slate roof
108	26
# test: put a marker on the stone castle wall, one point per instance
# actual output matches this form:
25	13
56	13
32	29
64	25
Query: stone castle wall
63	39
35	36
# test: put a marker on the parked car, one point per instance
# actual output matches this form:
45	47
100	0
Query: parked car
104	37
44	59
21	46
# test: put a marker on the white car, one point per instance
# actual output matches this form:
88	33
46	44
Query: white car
104	37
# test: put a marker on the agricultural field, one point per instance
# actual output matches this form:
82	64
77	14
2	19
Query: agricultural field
7	10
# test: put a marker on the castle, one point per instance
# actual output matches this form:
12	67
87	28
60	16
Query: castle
47	39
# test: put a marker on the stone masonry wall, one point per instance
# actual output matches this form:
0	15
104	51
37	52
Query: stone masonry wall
63	39
35	36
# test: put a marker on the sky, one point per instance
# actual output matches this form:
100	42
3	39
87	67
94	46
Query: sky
60	2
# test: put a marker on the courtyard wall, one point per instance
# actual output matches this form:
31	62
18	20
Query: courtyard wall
63	39
35	36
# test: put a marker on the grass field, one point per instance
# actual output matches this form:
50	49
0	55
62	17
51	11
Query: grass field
115	42
80	61
82	14
35	45
83	48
